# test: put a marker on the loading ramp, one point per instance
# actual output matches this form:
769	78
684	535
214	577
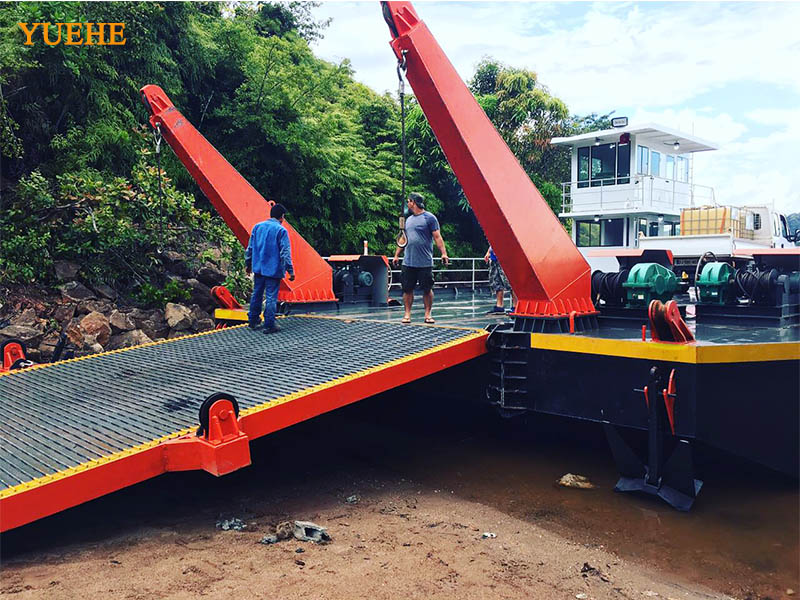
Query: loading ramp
76	430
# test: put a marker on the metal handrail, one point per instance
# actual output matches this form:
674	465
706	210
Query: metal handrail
643	198
476	268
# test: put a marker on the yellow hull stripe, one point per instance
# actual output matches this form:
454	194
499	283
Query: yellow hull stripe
103	460
661	351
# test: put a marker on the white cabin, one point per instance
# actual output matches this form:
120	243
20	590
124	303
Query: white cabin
628	182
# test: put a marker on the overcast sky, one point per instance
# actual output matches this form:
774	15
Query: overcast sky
729	72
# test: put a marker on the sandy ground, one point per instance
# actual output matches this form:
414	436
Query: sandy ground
398	540
428	485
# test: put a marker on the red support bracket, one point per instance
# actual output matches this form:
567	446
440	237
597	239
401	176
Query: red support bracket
219	446
666	323
669	400
13	355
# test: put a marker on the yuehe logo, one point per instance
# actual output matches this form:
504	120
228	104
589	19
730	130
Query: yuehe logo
75	34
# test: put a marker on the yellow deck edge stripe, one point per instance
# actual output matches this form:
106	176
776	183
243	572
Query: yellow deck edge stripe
40	481
683	353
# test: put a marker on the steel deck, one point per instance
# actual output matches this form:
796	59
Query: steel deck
87	419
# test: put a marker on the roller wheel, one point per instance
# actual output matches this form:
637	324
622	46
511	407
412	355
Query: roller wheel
205	407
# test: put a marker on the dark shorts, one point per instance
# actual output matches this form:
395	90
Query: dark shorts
497	278
410	276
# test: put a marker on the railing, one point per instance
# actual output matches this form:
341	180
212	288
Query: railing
634	192
462	272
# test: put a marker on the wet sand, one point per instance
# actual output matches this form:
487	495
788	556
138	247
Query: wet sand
433	472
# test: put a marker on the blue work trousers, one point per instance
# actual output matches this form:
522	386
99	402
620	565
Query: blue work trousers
264	285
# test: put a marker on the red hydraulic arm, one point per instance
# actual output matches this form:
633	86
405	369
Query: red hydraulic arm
235	199
548	273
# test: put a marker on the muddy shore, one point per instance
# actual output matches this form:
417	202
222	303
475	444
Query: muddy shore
423	488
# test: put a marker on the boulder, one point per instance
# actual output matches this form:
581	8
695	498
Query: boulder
76	291
119	321
65	270
154	330
64	312
48	345
31	336
137	337
201	294
179	318
102	306
175	262
105	291
27	318
204	325
210	275
96	329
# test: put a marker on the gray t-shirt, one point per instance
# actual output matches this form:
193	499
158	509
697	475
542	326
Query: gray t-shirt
419	232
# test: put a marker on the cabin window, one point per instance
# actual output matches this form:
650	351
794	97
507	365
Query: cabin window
583	167
672	228
653	230
683	169
642	229
612	232
655	163
670	172
603	164
588	233
643	160
606	232
623	163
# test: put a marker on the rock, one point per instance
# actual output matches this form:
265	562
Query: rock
210	275
27	318
234	523
105	291
352	499
74	334
790	592
48	345
488	535
306	531
299	550
30	336
96	328
575	481
64	312
205	325
119	321
175	262
96	348
102	306
66	270
284	530
128	339
76	291
201	294
269	539
178	317
154	330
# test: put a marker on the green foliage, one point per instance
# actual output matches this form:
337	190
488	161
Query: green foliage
171	291
79	175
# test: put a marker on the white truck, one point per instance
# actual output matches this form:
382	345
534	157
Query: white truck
722	230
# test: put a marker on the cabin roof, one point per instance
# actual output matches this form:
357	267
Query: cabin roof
658	137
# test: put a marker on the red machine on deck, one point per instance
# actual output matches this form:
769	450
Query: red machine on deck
235	199
545	269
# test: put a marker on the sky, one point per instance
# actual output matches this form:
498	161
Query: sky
727	72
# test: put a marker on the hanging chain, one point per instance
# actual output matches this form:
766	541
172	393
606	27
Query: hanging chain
157	138
401	69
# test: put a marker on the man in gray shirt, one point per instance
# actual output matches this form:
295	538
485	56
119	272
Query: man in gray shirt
421	230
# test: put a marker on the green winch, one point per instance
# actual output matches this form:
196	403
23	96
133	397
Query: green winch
650	281
716	284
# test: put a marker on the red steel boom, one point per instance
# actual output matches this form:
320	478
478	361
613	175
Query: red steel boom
235	199
545	269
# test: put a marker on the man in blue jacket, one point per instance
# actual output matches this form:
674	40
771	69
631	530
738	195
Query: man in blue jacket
268	257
